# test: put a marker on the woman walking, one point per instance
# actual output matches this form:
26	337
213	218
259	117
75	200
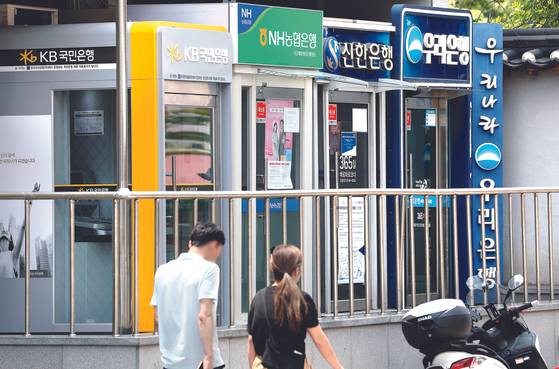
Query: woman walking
280	317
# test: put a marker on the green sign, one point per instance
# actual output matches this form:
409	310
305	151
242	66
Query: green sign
279	36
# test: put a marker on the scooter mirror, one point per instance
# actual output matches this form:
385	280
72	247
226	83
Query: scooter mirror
474	283
515	282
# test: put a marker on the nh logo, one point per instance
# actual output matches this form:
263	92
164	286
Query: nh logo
246	13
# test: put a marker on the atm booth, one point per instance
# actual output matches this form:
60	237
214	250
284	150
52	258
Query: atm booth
438	134
58	117
273	105
352	90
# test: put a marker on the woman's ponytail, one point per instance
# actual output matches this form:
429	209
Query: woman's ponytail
289	302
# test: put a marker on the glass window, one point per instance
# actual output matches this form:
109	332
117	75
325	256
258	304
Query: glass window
188	163
85	160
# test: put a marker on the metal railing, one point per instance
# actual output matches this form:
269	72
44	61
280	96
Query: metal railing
404	262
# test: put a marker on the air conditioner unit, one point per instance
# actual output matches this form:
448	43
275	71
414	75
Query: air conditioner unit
14	15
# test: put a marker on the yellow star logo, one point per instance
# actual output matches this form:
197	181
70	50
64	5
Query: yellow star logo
27	57
174	54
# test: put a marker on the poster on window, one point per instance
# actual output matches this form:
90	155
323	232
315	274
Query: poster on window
358	240
279	175
26	165
278	142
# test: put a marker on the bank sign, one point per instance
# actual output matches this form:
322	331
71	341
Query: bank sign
365	55
434	45
277	36
196	55
57	59
487	140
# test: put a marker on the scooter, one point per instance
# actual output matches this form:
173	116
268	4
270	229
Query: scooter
506	332
442	330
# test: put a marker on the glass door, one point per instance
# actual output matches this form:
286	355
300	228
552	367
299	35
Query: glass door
189	162
426	163
277	134
348	156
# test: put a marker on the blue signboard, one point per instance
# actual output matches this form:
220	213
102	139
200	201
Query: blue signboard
366	55
433	45
487	140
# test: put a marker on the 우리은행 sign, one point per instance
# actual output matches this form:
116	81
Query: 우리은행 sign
433	45
487	139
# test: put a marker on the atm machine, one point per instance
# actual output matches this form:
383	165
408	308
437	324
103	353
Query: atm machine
66	132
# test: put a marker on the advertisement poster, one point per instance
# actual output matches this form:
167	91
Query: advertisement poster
26	167
278	145
358	240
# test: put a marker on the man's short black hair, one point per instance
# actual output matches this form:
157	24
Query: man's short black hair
202	233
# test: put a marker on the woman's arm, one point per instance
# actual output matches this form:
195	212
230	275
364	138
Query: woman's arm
324	347
251	352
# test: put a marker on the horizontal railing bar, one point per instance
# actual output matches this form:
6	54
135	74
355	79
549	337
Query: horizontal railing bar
264	194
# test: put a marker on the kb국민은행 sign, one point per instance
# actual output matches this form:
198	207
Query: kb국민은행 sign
196	55
487	139
57	59
278	36
434	45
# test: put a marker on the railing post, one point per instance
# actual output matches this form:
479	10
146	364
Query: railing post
412	253
427	251
497	248
550	246
537	243
318	255
267	239
335	254
455	246
511	243
483	253
350	254
367	275
176	235
441	246
27	266
232	255
72	268
382	269
284	220
116	268
470	245
135	302
398	252
523	235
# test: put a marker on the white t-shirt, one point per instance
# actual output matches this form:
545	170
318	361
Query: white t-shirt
179	286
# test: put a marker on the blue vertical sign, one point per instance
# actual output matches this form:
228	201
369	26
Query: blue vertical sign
487	140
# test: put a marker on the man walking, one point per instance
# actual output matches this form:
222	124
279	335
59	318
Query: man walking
185	299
